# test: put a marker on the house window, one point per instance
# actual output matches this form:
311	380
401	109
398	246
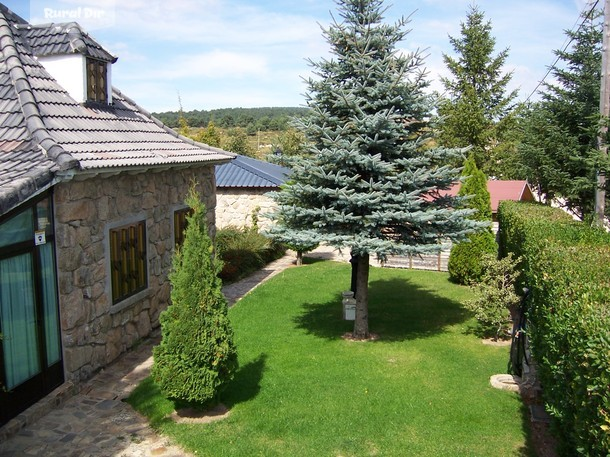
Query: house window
180	225
128	260
97	78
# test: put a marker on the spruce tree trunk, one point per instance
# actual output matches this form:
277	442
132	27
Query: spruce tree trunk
299	258
354	262
361	324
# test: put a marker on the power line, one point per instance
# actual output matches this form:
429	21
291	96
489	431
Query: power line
568	42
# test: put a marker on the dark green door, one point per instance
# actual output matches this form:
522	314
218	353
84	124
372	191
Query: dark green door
30	350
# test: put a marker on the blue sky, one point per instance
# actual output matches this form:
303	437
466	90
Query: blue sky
231	53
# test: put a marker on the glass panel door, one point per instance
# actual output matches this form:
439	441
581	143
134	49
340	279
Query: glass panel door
49	304
18	318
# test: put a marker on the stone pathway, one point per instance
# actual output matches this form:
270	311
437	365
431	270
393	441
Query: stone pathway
96	422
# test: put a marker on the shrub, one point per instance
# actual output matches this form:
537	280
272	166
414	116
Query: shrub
243	251
196	356
495	298
566	264
465	257
465	260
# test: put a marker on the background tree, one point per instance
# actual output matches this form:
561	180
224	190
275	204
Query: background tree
559	139
210	135
466	258
477	110
196	357
369	183
237	141
289	144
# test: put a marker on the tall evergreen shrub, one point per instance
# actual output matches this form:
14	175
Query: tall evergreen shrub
196	357
465	260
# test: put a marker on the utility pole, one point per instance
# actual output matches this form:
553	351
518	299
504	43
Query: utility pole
604	111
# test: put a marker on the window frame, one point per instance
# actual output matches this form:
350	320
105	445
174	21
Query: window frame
96	80
180	222
128	274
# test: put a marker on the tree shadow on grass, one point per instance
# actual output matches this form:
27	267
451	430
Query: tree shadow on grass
398	310
246	382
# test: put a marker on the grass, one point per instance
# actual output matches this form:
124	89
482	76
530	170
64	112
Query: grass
301	390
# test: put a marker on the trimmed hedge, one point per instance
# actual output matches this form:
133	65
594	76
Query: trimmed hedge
567	268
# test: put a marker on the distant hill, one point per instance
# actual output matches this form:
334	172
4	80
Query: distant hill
265	119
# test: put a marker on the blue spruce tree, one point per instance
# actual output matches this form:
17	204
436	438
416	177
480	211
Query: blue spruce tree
371	179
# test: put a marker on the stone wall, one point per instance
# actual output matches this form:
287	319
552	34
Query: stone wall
236	206
94	331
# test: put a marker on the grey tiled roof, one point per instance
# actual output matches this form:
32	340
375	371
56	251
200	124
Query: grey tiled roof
45	134
246	172
57	39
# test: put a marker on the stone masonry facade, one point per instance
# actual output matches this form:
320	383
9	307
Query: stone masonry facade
94	330
236	206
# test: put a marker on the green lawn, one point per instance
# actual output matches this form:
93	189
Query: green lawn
422	389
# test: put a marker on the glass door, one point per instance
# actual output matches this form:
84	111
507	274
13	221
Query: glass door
30	348
19	321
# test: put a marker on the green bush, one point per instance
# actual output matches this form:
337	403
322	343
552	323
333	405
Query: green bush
495	298
567	267
465	258
196	356
243	251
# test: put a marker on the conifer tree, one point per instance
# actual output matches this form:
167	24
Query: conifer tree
559	139
196	357
477	108
466	258
370	181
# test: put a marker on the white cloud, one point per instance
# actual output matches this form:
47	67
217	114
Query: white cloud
216	64
243	53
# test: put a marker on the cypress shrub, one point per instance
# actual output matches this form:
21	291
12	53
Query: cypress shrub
567	268
196	357
465	260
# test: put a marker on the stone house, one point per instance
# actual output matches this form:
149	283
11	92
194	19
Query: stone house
241	186
91	206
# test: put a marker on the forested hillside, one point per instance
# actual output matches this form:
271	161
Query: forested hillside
251	119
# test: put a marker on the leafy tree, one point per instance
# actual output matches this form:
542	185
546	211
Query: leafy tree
559	146
466	258
210	136
237	141
196	357
370	181
477	111
289	144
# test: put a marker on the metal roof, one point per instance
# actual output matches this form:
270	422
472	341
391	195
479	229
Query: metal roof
246	172
44	132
